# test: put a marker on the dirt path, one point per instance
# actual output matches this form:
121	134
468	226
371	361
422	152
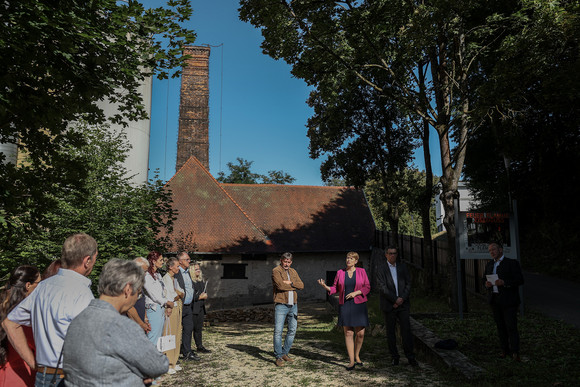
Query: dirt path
242	356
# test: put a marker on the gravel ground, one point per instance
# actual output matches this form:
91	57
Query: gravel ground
242	356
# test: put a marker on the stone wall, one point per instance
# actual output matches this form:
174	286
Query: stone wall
256	288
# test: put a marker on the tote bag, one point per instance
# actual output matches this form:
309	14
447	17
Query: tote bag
167	341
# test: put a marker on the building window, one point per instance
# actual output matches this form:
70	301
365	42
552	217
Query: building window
234	270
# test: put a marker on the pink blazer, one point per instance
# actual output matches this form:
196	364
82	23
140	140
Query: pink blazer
362	284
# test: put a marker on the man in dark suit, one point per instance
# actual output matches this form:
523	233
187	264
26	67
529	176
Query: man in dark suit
394	284
504	298
185	282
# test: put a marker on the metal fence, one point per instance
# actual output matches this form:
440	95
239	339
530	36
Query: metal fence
411	249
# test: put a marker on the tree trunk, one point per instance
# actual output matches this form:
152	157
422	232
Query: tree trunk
425	200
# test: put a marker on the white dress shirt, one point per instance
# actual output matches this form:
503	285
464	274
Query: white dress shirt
393	270
49	310
495	265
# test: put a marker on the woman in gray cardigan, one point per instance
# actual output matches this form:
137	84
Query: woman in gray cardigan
104	348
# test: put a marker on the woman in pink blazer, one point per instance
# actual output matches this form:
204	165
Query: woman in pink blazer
352	286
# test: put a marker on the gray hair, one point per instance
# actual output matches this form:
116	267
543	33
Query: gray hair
286	256
172	261
141	261
117	273
75	248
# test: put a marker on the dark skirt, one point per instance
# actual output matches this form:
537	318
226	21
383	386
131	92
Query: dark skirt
349	313
353	315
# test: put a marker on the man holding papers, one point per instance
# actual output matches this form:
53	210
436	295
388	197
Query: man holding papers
503	278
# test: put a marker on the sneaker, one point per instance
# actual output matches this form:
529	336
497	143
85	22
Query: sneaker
177	367
171	371
280	362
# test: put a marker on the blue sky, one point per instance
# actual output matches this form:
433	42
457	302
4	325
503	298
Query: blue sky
258	107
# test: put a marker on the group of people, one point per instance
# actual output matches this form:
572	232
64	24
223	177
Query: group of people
353	286
394	285
54	330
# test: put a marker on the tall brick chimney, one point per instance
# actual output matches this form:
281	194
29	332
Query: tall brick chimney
193	137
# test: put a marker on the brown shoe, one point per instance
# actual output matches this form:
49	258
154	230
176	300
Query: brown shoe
280	362
287	358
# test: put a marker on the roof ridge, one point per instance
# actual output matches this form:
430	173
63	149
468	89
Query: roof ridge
289	186
183	166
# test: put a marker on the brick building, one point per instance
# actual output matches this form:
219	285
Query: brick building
193	137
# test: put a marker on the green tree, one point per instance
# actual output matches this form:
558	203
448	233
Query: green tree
124	219
411	186
241	173
426	57
363	137
59	60
529	149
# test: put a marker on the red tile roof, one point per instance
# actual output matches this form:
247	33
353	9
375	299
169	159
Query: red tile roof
259	218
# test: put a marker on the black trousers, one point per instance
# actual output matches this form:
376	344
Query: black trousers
506	319
197	328
187	328
402	315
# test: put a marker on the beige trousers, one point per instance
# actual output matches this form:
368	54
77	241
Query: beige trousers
175	329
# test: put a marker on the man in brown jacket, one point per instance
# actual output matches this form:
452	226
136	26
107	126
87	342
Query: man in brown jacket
285	282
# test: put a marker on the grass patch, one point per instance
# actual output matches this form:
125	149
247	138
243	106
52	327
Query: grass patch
549	348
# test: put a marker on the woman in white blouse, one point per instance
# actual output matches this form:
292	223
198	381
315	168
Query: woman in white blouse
157	304
175	293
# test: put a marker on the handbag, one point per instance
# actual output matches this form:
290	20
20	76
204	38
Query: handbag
167	341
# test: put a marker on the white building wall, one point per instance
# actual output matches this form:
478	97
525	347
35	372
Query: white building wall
465	202
257	288
138	133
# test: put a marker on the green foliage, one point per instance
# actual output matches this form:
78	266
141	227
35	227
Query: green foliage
410	185
124	219
59	61
242	174
449	64
530	145
549	348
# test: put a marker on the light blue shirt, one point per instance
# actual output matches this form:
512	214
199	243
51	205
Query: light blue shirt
188	286
49	310
393	269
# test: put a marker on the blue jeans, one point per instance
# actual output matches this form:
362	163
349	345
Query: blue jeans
156	319
282	314
43	380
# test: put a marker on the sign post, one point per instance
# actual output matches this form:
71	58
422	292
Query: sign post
476	230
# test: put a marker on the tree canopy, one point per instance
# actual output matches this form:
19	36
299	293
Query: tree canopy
123	218
435	61
241	173
59	61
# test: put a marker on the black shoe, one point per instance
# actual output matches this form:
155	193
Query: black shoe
351	367
203	350
359	363
395	362
191	356
413	363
